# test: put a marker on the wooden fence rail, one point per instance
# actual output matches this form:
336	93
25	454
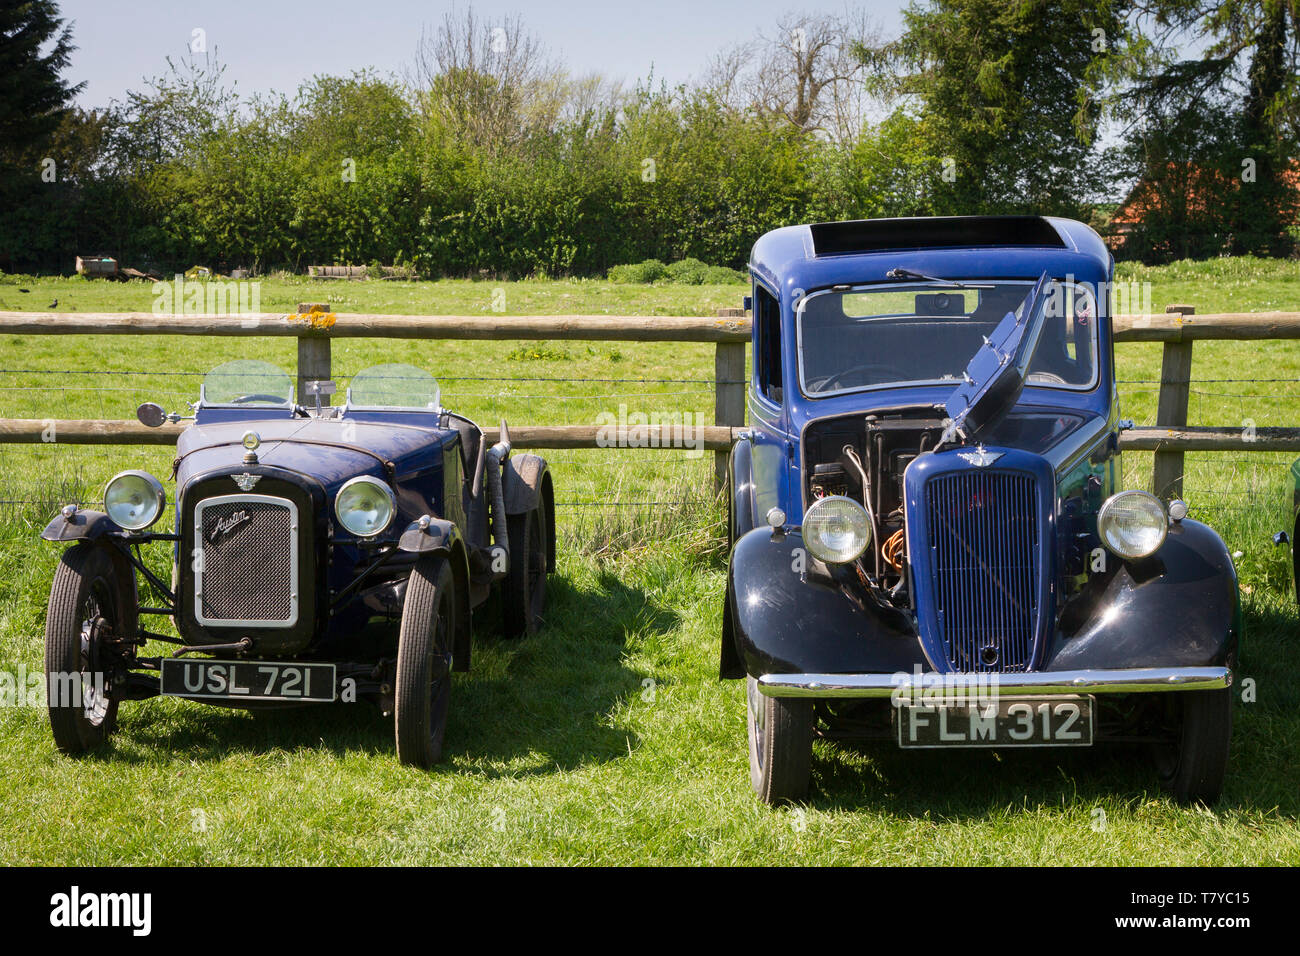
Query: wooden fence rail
26	431
315	326
89	431
326	325
1180	324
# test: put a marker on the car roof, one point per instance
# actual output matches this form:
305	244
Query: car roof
860	251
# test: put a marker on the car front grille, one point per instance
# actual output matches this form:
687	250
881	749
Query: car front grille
985	539
246	561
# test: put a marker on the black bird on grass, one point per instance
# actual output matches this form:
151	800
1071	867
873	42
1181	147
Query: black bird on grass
54	304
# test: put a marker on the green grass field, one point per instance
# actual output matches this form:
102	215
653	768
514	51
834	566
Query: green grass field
607	738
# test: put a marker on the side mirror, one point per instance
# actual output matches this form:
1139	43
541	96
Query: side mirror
151	414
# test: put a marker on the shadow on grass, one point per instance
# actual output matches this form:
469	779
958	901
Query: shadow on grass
983	784
1263	770
969	785
541	704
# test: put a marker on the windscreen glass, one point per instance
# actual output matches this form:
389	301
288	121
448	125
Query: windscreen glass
927	333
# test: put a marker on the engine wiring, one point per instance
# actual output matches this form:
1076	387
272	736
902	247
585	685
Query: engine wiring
851	454
893	550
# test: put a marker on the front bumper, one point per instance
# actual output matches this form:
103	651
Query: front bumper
1133	680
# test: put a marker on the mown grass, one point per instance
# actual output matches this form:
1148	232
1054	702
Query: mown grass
607	738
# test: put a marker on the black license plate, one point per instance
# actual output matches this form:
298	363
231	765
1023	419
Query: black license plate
1004	722
199	678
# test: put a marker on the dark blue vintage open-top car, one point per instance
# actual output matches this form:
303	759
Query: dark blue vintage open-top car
930	543
320	553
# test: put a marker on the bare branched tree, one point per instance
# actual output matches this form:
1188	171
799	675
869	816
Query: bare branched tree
490	81
493	83
728	75
805	73
590	97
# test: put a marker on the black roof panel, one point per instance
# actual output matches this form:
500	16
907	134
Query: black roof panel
872	235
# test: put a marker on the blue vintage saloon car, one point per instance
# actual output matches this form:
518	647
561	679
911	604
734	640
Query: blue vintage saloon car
320	553
930	541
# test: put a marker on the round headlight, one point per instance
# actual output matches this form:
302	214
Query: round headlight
1132	524
836	529
365	506
134	500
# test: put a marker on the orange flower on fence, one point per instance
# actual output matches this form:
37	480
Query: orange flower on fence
315	319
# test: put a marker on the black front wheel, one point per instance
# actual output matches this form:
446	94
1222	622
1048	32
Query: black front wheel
524	590
780	745
86	622
1192	766
423	687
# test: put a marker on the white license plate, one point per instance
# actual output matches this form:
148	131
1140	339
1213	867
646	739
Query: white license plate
1003	722
200	678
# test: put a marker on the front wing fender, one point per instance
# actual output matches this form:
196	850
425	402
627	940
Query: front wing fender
81	526
1179	608
784	615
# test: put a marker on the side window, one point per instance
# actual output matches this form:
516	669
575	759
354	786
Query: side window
1065	352
767	344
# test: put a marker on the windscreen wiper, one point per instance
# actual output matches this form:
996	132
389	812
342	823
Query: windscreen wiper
909	274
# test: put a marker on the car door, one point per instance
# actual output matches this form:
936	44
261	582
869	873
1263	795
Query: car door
767	406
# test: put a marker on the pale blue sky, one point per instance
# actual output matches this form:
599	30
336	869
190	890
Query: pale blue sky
275	45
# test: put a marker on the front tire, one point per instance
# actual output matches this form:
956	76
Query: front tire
1295	559
1192	768
780	732
423	688
87	609
524	590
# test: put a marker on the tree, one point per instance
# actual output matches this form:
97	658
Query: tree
1250	64
353	115
1176	208
490	83
887	173
34	98
806	74
1008	96
173	114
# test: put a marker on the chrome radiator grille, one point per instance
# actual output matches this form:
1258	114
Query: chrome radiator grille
246	561
985	541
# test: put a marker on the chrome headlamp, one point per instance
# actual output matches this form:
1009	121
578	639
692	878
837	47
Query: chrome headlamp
1133	524
365	506
134	500
836	529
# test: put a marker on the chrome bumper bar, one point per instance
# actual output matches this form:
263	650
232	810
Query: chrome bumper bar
1135	680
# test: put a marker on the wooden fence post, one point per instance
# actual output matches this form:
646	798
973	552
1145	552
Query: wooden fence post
729	392
1175	382
313	356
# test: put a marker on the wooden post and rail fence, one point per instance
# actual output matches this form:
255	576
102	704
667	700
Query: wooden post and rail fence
315	327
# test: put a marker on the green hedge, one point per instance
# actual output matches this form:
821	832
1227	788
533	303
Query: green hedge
674	176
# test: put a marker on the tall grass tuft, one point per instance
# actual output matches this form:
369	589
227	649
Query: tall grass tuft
27	506
687	520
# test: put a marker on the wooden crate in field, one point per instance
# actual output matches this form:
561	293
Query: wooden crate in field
95	266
